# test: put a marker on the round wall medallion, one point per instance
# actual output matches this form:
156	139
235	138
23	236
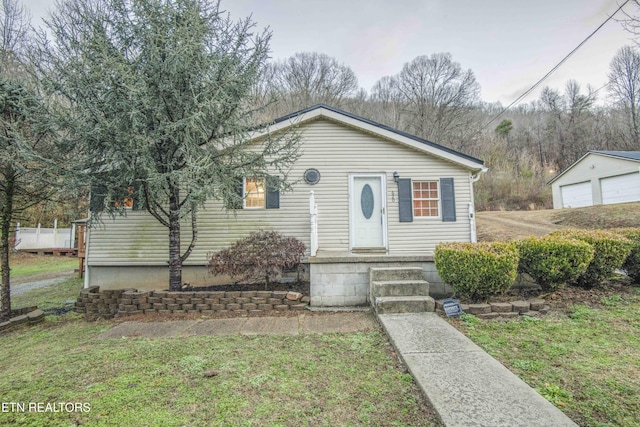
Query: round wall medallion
312	176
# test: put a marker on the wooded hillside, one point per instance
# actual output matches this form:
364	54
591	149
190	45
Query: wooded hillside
435	98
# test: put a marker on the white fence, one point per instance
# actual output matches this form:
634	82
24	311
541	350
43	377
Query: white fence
45	238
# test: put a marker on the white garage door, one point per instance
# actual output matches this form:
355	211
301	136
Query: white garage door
576	195
621	188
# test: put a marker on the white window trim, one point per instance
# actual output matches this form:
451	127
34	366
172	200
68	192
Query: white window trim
244	195
439	200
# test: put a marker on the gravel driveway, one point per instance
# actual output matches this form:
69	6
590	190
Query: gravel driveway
21	288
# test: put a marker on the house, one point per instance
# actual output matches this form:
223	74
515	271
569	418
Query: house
598	178
364	195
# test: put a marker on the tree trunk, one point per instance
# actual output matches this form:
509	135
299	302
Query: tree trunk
6	215
175	261
634	125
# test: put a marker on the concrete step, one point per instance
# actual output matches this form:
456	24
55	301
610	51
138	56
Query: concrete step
404	304
396	288
395	273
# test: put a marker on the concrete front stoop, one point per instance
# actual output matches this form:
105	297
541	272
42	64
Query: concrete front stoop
399	290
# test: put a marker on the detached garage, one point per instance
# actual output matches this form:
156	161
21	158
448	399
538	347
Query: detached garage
598	177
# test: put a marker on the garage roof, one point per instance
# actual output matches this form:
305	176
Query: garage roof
626	155
629	155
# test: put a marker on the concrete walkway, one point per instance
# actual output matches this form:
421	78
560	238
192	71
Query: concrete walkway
465	385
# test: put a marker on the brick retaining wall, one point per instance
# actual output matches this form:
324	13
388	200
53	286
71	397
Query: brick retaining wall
107	304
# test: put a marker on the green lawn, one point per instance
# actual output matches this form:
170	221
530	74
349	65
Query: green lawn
22	264
51	296
587	362
330	379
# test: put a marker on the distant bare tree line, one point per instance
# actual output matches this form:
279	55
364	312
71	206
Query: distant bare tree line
434	98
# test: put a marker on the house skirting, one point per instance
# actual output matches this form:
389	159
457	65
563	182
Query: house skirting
336	279
339	280
146	277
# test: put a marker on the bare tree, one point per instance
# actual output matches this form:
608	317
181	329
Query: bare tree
14	25
386	100
624	85
569	121
438	98
309	78
26	168
631	19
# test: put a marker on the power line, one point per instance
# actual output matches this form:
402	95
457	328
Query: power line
532	88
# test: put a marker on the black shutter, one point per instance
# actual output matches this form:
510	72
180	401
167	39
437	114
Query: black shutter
405	201
137	204
273	196
138	198
448	197
236	202
97	197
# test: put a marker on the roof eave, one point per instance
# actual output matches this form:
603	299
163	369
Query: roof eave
599	153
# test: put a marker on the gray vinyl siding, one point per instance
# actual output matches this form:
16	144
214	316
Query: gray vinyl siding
336	151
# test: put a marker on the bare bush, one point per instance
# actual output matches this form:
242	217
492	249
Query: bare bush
261	256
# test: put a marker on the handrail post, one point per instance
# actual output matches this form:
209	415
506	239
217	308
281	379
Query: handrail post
313	214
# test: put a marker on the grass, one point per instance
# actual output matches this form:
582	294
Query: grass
50	297
332	379
602	216
586	362
321	379
23	265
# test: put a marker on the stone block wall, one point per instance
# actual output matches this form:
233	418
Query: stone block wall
533	308
22	316
107	304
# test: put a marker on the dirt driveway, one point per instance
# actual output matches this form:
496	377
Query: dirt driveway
509	225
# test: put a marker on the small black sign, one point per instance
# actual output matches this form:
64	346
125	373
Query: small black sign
452	307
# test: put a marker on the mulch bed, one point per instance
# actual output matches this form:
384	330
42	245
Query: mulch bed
562	300
302	287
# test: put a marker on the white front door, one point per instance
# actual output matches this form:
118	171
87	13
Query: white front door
368	211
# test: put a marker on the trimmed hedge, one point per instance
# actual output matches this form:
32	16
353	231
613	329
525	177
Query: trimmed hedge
554	261
477	270
631	265
610	252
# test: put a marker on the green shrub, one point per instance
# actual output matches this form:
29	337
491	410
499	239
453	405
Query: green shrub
610	251
554	261
477	270
631	265
260	257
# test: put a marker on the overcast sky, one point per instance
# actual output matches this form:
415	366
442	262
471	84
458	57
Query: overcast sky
508	44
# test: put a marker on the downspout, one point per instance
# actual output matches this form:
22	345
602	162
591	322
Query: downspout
86	248
86	254
472	215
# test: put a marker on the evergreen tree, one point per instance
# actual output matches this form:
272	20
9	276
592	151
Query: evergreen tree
155	98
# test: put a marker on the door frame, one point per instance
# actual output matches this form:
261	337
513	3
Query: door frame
383	198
